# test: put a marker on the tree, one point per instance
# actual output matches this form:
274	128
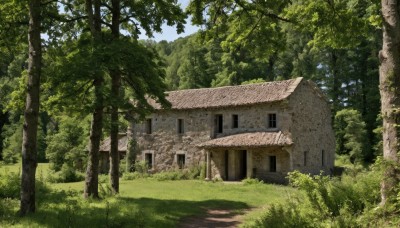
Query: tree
91	181
115	88
91	58
350	134
67	145
389	87
29	142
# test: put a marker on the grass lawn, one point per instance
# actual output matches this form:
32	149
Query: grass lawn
41	170
146	203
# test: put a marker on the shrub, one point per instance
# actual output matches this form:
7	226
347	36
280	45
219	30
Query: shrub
66	175
251	181
203	171
134	176
171	175
10	185
333	202
141	167
283	216
7	206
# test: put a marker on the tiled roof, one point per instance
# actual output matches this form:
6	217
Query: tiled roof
253	139
122	143
231	95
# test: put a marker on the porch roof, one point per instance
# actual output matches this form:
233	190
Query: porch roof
252	139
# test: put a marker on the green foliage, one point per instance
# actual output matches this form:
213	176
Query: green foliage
131	155
350	134
253	81
10	185
170	175
134	176
342	203
250	181
67	146
67	174
12	143
338	24
141	167
288	215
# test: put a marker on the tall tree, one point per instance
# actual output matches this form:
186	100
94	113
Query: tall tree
389	87
115	88
29	144
92	178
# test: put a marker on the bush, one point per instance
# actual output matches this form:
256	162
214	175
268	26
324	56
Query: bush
251	181
283	216
103	178
66	175
141	167
134	176
194	172
10	185
329	202
171	175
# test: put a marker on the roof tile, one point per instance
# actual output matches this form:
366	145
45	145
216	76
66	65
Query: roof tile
230	95
253	139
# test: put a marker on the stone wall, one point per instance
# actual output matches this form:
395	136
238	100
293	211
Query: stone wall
164	142
311	130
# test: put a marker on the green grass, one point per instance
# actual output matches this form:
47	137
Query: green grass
42	169
146	203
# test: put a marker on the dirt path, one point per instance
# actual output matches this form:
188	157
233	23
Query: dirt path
213	218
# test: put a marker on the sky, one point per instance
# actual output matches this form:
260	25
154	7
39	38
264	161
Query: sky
169	33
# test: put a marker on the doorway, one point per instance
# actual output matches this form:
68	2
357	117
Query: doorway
243	164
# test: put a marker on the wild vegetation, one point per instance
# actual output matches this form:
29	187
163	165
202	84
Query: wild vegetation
69	69
142	202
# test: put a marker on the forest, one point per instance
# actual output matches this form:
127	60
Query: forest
72	72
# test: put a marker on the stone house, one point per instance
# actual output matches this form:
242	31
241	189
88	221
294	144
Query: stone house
260	130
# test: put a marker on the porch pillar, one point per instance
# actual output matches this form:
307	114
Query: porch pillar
289	150
249	172
208	171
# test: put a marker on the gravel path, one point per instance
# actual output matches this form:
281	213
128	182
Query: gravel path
213	218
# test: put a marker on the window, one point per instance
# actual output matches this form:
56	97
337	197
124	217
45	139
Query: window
272	120
148	126
180	158
272	163
322	157
305	157
148	157
218	124
181	126
235	121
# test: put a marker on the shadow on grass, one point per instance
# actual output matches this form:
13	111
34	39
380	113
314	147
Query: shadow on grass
59	209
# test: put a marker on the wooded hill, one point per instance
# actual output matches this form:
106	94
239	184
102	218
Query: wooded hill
349	77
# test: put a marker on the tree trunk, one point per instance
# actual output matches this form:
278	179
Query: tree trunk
92	171
389	72
29	145
115	87
3	121
114	154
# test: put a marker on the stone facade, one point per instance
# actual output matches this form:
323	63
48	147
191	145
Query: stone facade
269	137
